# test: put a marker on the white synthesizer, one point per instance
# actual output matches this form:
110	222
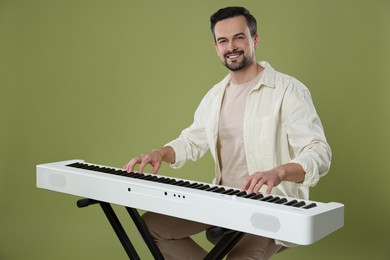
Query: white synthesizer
292	220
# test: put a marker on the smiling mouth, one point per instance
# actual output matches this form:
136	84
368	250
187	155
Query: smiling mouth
233	55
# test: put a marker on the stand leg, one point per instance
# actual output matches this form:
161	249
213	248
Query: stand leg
143	230
220	250
224	246
120	232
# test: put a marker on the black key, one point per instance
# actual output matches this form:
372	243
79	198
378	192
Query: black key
138	175
185	183
291	202
309	206
228	192
79	165
219	190
119	172
95	168
281	201
274	199
144	177
192	185
75	165
198	186
126	174
165	180
251	195
110	170
161	179
178	182
258	196
241	193
91	167
203	187
83	166
267	198
171	181
212	188
132	175
105	170
299	204
148	177
101	169
235	192
154	178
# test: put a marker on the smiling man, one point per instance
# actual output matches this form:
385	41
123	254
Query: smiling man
262	130
235	44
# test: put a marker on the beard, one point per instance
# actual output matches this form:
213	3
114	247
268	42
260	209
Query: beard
235	65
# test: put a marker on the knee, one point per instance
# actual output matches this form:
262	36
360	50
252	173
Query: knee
146	217
152	223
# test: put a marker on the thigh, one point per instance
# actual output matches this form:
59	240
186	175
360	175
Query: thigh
254	247
167	227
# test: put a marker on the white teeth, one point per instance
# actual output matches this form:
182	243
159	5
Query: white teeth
233	56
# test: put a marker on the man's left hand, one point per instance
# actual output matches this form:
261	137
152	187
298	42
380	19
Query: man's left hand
254	182
287	172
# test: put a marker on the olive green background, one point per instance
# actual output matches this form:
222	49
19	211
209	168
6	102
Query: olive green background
106	80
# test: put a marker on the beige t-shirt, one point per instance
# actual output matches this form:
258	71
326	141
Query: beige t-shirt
230	143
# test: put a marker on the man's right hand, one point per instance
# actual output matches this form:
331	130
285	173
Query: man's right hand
154	158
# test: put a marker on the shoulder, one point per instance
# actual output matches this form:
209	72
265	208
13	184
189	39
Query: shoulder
281	81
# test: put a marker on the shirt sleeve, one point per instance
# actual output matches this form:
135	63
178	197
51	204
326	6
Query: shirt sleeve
192	143
306	135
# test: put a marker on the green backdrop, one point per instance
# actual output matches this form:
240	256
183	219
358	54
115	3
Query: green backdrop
106	80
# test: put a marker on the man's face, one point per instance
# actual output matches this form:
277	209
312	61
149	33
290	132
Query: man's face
234	44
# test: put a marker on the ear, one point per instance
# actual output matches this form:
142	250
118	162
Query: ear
256	40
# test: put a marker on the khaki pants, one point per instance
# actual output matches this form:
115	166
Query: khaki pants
173	238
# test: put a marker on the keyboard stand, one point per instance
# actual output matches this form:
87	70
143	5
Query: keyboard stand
219	251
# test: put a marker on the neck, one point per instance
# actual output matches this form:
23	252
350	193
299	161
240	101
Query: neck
246	74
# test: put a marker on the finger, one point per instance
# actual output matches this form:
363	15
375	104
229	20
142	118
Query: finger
245	185
134	162
270	185
252	185
156	167
130	165
258	186
142	165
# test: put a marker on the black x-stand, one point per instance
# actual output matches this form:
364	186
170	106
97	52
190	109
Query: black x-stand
219	251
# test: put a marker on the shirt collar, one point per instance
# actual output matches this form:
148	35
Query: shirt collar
268	78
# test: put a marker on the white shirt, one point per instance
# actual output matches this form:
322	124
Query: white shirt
280	125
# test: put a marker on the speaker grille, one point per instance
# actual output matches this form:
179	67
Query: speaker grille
265	222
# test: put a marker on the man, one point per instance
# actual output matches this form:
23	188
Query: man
263	133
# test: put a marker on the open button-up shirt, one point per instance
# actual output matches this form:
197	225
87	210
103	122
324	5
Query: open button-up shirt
280	126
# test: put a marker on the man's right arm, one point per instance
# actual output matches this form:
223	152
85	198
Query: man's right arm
154	158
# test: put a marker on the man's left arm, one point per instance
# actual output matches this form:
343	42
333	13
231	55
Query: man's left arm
312	154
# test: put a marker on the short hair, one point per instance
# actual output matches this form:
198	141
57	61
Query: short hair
233	11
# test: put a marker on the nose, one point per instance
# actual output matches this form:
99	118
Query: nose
231	46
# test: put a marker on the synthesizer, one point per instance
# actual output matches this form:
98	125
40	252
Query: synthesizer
293	220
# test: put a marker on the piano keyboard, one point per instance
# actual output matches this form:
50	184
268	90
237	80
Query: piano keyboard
288	219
